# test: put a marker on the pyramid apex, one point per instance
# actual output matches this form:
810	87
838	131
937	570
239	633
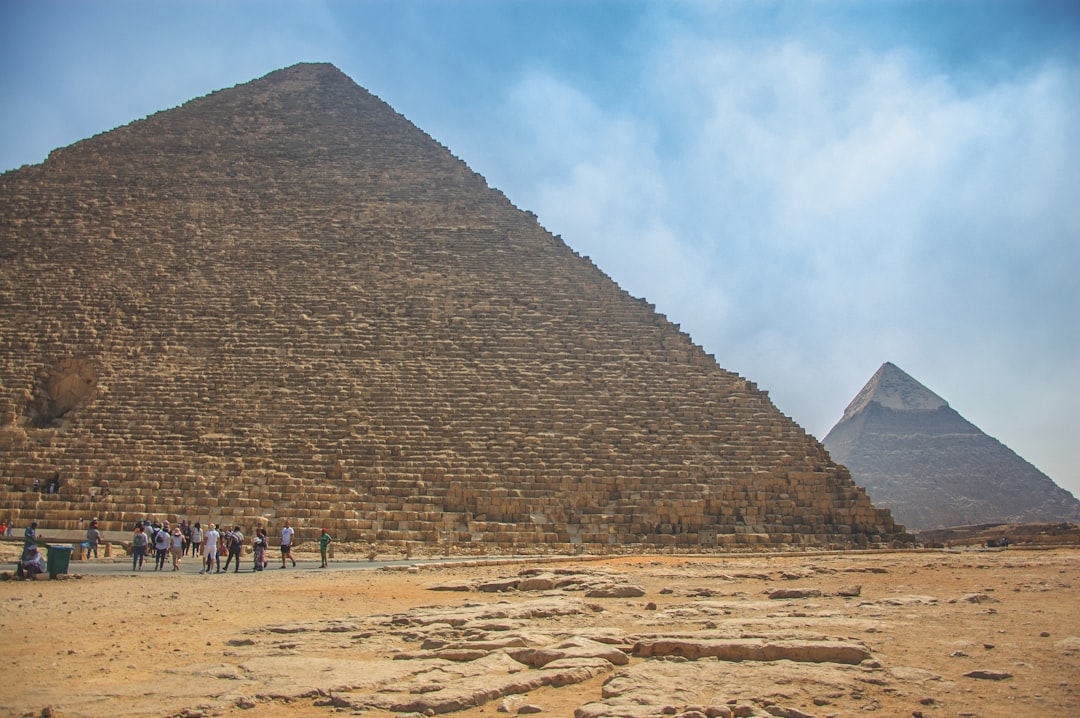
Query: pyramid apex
893	388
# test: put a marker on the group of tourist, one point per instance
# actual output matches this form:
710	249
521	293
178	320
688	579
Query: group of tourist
210	544
168	544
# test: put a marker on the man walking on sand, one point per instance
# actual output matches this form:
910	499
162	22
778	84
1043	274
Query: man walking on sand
234	543
286	545
209	549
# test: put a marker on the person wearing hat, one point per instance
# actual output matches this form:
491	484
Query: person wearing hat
324	545
177	547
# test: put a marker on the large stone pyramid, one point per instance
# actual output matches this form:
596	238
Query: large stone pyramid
916	455
283	300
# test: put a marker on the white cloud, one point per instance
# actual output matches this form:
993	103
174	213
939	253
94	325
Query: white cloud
807	216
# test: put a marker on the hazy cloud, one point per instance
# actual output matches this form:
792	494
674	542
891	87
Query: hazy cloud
808	215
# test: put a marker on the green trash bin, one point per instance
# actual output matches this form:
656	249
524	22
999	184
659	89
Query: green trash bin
58	560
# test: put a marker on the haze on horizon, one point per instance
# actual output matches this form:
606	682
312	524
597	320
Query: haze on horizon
808	189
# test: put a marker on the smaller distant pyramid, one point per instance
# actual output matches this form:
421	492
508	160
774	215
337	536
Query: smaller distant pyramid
933	468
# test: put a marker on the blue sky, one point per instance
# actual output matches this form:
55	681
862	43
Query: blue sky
808	188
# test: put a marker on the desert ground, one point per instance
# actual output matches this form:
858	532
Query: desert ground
933	633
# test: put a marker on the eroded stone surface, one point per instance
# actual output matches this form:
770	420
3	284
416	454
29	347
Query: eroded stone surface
351	641
824	651
647	690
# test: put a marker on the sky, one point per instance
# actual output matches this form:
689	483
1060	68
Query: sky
809	189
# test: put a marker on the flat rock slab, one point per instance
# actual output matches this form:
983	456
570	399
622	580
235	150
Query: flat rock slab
519	611
657	688
573	648
292	677
463	586
829	651
1070	644
988	675
446	689
792	593
621	590
908	601
974	598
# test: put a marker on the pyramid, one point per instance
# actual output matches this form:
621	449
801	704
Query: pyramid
283	300
916	455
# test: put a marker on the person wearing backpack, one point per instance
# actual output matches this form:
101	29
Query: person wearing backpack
234	542
138	548
162	543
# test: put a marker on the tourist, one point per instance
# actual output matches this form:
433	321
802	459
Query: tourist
31	563
324	545
185	529
30	537
209	549
234	542
287	534
177	547
139	542
3	528
258	548
162	543
196	539
222	547
93	537
152	528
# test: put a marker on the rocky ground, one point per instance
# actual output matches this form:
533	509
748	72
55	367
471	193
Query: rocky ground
939	633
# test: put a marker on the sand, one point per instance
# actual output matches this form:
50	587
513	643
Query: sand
304	642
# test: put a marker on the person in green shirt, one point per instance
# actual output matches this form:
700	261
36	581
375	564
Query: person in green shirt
324	545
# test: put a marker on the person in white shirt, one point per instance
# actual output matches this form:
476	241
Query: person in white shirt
286	545
209	548
162	542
